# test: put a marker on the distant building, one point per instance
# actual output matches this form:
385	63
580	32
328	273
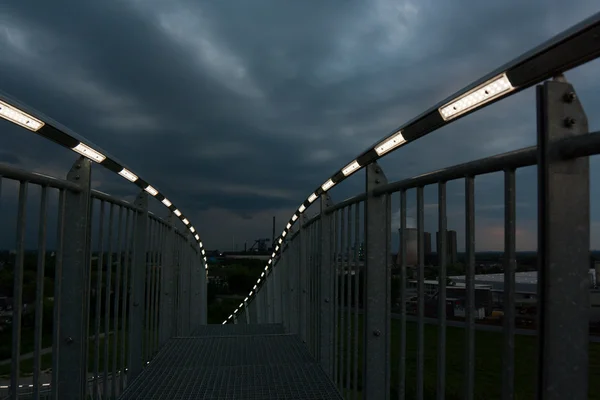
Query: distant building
451	257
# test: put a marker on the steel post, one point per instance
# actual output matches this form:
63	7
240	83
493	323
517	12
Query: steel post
138	277
376	335
326	276
302	278
563	247
75	281
167	303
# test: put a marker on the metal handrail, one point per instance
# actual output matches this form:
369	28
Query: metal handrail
571	48
18	174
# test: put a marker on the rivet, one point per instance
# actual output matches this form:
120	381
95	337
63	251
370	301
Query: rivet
569	97
569	122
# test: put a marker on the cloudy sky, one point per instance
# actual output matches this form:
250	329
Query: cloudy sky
237	110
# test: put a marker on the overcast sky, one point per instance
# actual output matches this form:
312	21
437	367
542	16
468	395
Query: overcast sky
236	110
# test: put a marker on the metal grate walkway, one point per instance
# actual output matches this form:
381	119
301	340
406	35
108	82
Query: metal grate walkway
233	362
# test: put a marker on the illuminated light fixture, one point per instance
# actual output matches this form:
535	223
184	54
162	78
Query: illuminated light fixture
280	240
90	153
262	275
230	316
177	212
250	294
224	322
312	198
390	144
254	288
246	299
192	229
294	217
197	237
166	202
270	261
258	281
476	97
284	233
19	117
288	226
327	185
267	267
276	248
203	252
185	221
151	190
350	168
241	305
236	310
127	174
200	243
301	208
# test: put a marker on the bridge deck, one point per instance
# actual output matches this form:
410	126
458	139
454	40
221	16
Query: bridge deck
233	362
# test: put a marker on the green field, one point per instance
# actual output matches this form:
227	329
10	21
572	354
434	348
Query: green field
488	362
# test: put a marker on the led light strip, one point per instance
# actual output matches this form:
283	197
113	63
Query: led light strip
524	70
477	97
25	120
19	117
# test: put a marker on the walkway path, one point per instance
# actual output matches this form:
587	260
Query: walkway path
234	362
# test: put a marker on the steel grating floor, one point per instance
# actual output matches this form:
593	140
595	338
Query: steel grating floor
234	362
239	330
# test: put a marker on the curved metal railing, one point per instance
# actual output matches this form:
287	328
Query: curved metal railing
25	117
336	295
92	305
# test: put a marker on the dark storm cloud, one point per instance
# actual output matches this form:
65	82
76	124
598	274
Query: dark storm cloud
240	109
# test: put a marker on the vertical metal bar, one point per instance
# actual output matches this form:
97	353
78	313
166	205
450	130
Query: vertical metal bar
39	295
188	286
403	250
259	310
376	351
470	288
246	312
157	286
441	350
356	299
115	342
336	297
160	278
167	292
563	248
18	291
58	264
348	347
98	301
317	283
107	300
148	289
302	248
137	305
341	368
420	295
510	263
72	363
127	267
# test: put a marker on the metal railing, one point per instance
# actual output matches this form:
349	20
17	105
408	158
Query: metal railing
123	282
338	300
